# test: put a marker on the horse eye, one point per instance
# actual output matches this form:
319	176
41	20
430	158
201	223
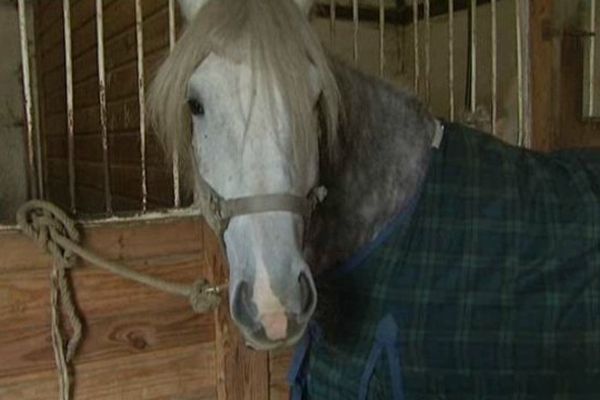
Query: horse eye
196	108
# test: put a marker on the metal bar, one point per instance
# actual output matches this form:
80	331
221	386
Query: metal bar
427	50
415	7
451	58
139	30
332	18
381	37
592	61
36	101
69	88
494	65
355	18
527	73
473	46
520	125
33	188
102	103
403	16
176	173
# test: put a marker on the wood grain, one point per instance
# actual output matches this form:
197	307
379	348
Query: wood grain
243	374
543	79
139	343
279	365
185	373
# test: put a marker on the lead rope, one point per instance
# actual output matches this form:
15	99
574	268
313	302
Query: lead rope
57	234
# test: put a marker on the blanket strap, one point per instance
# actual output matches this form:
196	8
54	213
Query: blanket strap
385	339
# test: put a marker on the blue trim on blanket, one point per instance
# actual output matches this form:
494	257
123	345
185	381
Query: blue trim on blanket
386	338
387	331
298	373
398	222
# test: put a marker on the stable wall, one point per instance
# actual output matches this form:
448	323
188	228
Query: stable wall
138	343
122	103
13	168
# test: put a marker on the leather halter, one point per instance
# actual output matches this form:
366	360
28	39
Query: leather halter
219	211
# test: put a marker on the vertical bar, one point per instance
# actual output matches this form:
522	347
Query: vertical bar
176	174
356	21
427	50
451	57
139	30
415	5
102	103
381	37
473	46
526	68
36	101
332	17
27	94
519	22
592	61
70	122
494	65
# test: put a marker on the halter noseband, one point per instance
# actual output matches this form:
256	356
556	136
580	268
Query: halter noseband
218	211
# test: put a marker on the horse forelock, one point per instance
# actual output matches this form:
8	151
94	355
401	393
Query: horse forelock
276	38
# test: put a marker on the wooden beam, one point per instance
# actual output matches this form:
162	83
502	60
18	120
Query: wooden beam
242	373
543	73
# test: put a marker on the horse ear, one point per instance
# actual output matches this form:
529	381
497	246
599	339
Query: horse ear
305	5
189	8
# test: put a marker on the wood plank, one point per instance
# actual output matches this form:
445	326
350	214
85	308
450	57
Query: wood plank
28	350
177	256
149	346
543	83
574	131
243	374
185	372
279	365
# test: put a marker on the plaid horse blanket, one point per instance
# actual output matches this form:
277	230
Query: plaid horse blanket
488	288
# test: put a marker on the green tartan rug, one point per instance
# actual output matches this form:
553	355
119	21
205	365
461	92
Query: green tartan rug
490	290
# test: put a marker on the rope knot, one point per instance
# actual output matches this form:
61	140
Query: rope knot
204	297
44	223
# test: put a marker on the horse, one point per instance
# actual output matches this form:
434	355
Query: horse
471	266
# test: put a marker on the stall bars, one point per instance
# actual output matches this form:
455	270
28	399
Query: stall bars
34	140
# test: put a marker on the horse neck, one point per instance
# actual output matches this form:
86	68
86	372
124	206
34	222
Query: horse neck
384	141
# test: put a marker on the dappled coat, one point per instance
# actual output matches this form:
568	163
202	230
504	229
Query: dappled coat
488	287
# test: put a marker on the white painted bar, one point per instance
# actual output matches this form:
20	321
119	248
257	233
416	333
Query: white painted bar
451	59
520	82
356	21
139	29
102	103
381	37
69	88
417	72
590	99
473	59
26	71
332	18
176	172
494	80
427	12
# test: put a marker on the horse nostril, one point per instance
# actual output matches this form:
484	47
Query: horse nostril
243	307
307	295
